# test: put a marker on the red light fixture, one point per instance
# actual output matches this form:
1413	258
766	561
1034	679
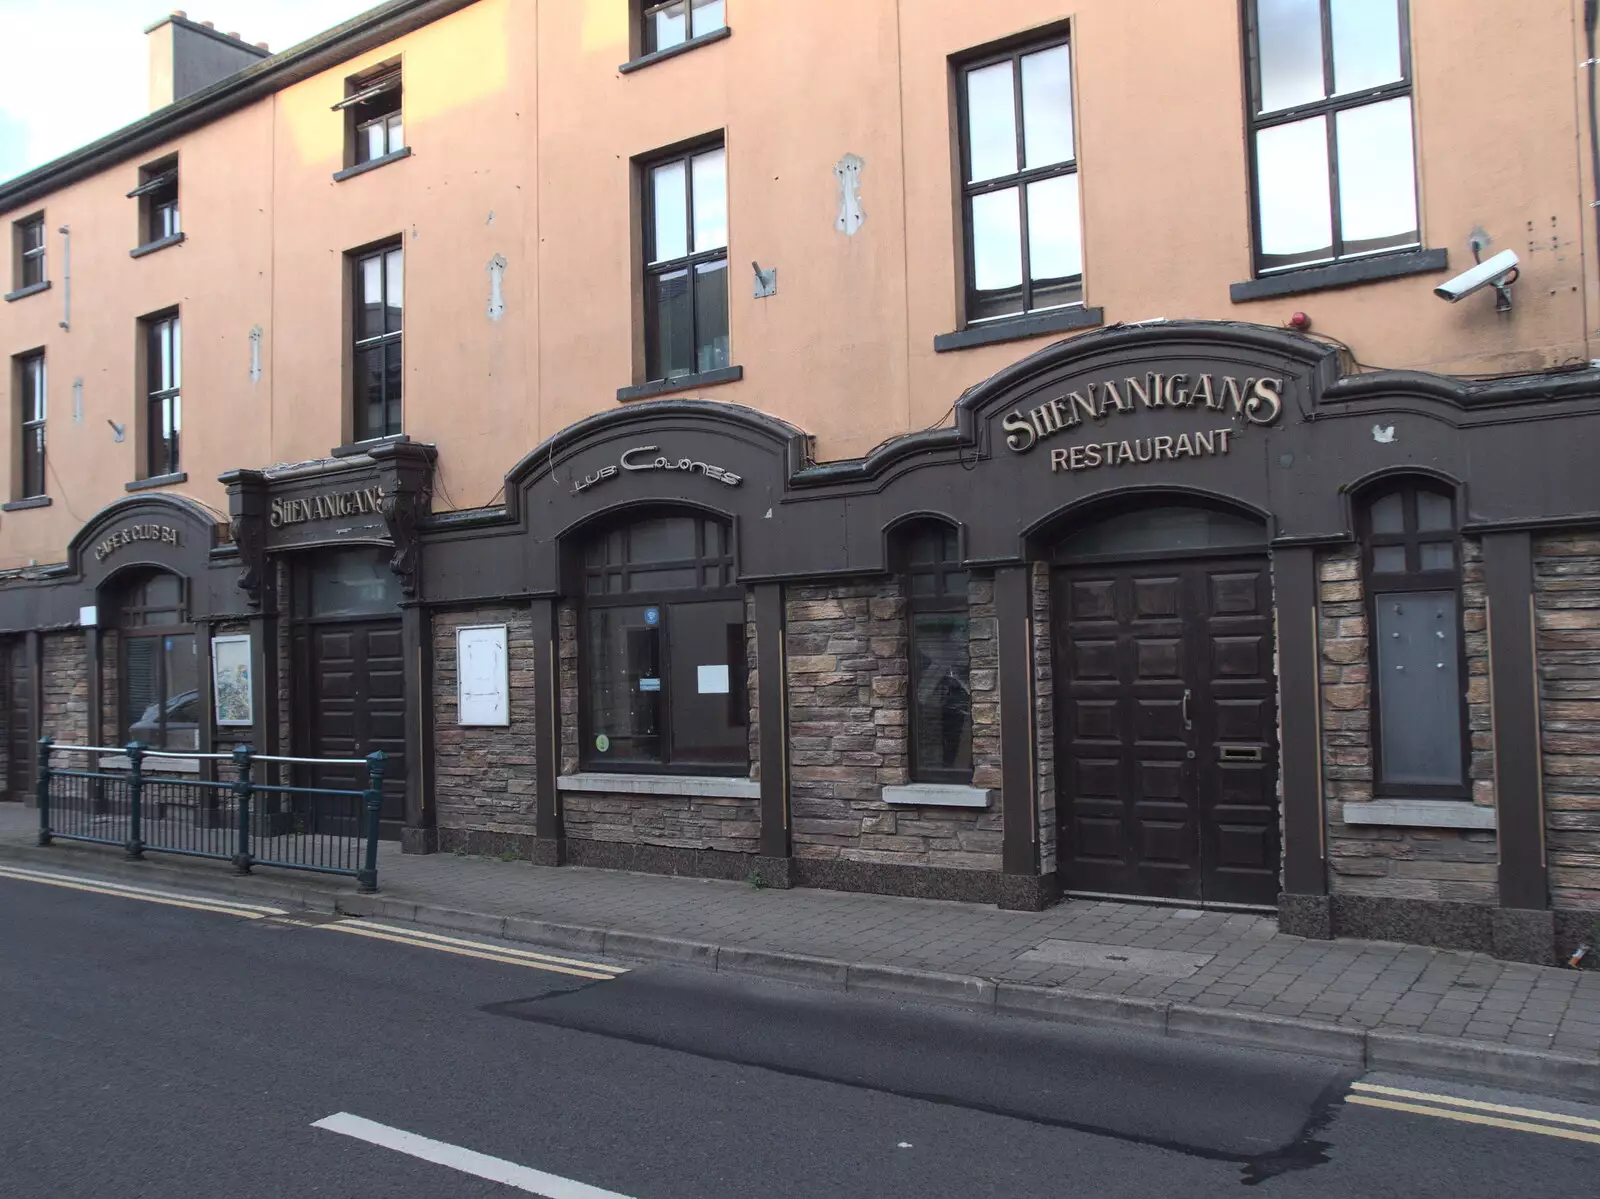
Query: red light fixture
1299	322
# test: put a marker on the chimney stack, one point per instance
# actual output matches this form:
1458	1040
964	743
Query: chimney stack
189	56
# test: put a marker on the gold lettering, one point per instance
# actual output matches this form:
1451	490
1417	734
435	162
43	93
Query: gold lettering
1124	453
1058	413
1176	396
1202	391
1077	458
1143	449
1203	443
1222	438
1266	402
1158	388
1113	396
1091	454
1058	460
1079	404
1163	448
1135	388
1020	435
1185	447
1232	390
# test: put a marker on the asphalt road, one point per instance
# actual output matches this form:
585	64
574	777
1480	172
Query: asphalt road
153	1050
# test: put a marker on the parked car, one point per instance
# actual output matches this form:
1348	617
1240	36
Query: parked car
183	723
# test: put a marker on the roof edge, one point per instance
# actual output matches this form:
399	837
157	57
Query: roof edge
244	87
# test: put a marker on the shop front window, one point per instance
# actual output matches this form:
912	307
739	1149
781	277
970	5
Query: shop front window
663	649
160	675
938	623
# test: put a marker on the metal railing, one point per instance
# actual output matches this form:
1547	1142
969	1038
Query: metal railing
144	808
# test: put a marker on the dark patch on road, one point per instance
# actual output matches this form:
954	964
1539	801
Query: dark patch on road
1304	1152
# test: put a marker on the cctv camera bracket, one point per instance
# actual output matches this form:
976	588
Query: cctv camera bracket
1502	289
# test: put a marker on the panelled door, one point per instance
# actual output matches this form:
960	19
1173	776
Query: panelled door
1167	730
18	700
355	706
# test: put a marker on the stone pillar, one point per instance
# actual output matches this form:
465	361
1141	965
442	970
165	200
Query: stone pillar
421	831
1022	886
550	841
1304	907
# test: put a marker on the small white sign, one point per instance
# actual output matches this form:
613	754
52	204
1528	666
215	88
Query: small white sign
713	680
89	616
483	679
649	684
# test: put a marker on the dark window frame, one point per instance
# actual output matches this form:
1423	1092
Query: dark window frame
140	629
384	106
157	193
644	10
690	263
27	257
1013	51
162	396
393	424
33	412
1255	121
942	599
1409	581
664	598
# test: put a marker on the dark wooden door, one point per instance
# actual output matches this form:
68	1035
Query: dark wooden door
1167	730
357	705
18	701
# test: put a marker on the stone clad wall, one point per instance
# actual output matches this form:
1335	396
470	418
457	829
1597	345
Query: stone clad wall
1044	716
1566	570
1391	862
483	776
64	698
683	822
848	711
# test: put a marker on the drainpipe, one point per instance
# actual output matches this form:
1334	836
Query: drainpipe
66	268
1591	18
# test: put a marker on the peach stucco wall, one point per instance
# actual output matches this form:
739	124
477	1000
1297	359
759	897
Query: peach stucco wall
523	132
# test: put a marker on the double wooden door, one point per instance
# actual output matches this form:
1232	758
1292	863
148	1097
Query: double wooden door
355	704
1167	730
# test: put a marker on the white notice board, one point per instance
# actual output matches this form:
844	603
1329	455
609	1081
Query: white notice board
483	683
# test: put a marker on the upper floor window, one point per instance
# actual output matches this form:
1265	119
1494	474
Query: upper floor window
664	681
160	681
678	21
1331	132
28	251
938	624
163	394
378	278
374	126
30	376
1019	171
686	264
157	194
1411	560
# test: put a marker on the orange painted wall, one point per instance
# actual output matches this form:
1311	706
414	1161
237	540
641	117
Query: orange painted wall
522	133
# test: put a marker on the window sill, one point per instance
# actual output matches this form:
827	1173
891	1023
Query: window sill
694	43
161	243
1341	274
33	501
155	481
1017	328
372	164
661	387
1421	813
938	795
695	786
357	448
22	293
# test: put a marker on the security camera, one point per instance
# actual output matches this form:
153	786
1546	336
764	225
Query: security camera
1499	272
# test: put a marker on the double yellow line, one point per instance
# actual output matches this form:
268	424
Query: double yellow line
1476	1111
246	911
506	954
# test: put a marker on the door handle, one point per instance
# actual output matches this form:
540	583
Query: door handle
1187	723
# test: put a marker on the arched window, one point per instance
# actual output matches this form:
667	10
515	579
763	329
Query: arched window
1411	562
663	661
937	625
159	699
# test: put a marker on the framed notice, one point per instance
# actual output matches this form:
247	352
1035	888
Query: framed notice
483	681
231	682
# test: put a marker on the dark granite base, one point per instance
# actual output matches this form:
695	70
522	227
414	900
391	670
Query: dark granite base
1308	916
1029	892
916	882
548	851
488	845
777	873
1573	929
1524	936
419	840
1434	922
660	859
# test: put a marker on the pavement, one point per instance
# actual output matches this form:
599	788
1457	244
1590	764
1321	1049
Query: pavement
219	1049
1180	973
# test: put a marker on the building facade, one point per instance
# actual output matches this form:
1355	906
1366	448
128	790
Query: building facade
1026	521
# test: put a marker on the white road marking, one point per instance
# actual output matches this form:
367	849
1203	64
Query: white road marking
467	1161
145	895
487	953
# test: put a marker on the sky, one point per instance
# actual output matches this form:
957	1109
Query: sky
83	72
